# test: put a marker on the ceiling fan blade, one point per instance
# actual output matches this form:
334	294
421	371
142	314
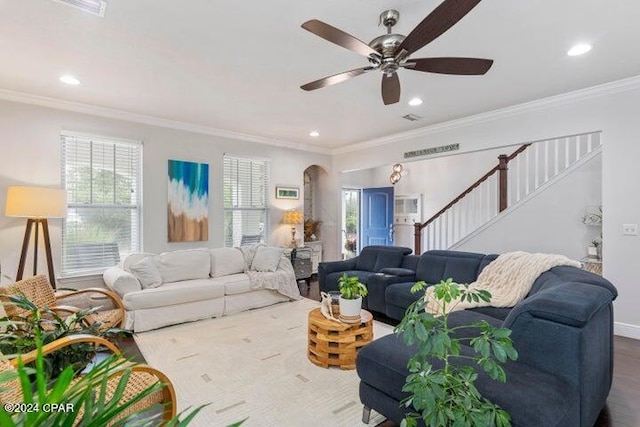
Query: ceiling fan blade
339	37
436	23
390	88
336	78
459	66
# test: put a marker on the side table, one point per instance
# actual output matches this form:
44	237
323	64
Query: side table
301	262
333	343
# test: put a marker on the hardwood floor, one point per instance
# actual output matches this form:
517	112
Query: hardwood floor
623	404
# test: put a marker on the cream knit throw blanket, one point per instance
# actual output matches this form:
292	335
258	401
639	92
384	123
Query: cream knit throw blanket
508	278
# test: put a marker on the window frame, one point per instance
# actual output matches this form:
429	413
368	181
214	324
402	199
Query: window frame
267	202
137	207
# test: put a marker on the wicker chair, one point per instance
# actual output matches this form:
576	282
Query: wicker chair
38	290
142	377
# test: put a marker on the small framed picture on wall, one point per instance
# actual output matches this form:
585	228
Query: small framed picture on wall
287	193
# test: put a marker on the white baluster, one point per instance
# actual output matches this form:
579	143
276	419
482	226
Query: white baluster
556	150
546	161
566	153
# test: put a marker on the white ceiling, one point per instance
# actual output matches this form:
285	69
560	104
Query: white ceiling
238	65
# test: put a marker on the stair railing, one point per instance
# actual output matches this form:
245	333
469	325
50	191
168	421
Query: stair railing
492	193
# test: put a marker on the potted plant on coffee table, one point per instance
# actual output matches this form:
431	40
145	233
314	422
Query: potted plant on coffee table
351	293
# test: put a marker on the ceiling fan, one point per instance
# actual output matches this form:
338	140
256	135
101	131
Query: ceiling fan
390	52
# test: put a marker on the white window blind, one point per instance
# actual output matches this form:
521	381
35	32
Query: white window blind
246	200
103	182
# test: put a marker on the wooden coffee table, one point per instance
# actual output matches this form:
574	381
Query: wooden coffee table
333	343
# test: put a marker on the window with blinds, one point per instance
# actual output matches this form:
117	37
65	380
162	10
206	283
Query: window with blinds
103	182
246	200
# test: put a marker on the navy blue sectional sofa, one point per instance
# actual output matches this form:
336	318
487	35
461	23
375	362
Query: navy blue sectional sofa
376	267
563	331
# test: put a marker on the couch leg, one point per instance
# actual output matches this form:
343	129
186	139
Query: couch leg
366	414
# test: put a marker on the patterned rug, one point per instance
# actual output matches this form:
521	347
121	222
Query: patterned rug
254	364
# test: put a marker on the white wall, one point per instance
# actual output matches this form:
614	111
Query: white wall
613	110
30	154
557	211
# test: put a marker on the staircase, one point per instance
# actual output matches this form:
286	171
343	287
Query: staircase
516	178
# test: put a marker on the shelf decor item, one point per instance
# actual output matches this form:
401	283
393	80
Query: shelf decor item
37	204
287	193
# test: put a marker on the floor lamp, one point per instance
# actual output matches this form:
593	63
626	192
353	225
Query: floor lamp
37	204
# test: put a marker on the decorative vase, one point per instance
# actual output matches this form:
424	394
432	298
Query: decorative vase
592	252
350	310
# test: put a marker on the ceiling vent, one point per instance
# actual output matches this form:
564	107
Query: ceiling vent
411	117
94	7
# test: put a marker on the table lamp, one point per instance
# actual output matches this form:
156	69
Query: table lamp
292	218
37	204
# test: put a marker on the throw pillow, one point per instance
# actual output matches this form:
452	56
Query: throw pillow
186	264
133	258
267	258
146	272
226	261
248	252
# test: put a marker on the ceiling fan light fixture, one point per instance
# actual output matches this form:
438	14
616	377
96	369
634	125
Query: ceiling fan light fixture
414	102
314	134
579	49
70	80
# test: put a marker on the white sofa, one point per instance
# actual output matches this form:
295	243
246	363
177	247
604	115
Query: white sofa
188	285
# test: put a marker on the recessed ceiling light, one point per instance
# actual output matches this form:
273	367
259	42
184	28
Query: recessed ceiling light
579	49
314	134
70	80
415	102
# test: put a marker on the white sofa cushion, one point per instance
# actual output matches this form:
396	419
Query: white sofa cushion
267	258
235	283
146	272
188	264
173	294
225	261
120	281
133	258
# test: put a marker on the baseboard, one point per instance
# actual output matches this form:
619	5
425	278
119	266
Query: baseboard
626	330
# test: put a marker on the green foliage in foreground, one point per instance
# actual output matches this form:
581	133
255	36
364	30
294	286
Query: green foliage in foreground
84	401
446	396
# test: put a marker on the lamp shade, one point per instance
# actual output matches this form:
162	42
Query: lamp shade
36	202
292	217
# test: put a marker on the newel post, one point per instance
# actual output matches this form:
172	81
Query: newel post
417	232
502	178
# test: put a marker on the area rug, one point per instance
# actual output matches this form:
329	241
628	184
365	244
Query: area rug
254	364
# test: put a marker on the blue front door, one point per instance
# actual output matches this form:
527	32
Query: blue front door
377	217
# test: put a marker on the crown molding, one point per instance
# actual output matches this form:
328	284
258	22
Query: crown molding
624	85
78	107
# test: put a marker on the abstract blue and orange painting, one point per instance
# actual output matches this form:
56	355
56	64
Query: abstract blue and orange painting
188	201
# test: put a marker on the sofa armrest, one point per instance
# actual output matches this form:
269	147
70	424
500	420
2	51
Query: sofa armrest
335	266
567	331
120	281
572	304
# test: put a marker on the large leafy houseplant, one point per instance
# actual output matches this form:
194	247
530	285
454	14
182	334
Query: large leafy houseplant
19	335
441	380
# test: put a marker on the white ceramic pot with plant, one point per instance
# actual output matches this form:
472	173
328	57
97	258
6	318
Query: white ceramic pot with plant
351	293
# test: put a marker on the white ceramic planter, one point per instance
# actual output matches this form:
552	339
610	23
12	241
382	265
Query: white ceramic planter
350	309
592	252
